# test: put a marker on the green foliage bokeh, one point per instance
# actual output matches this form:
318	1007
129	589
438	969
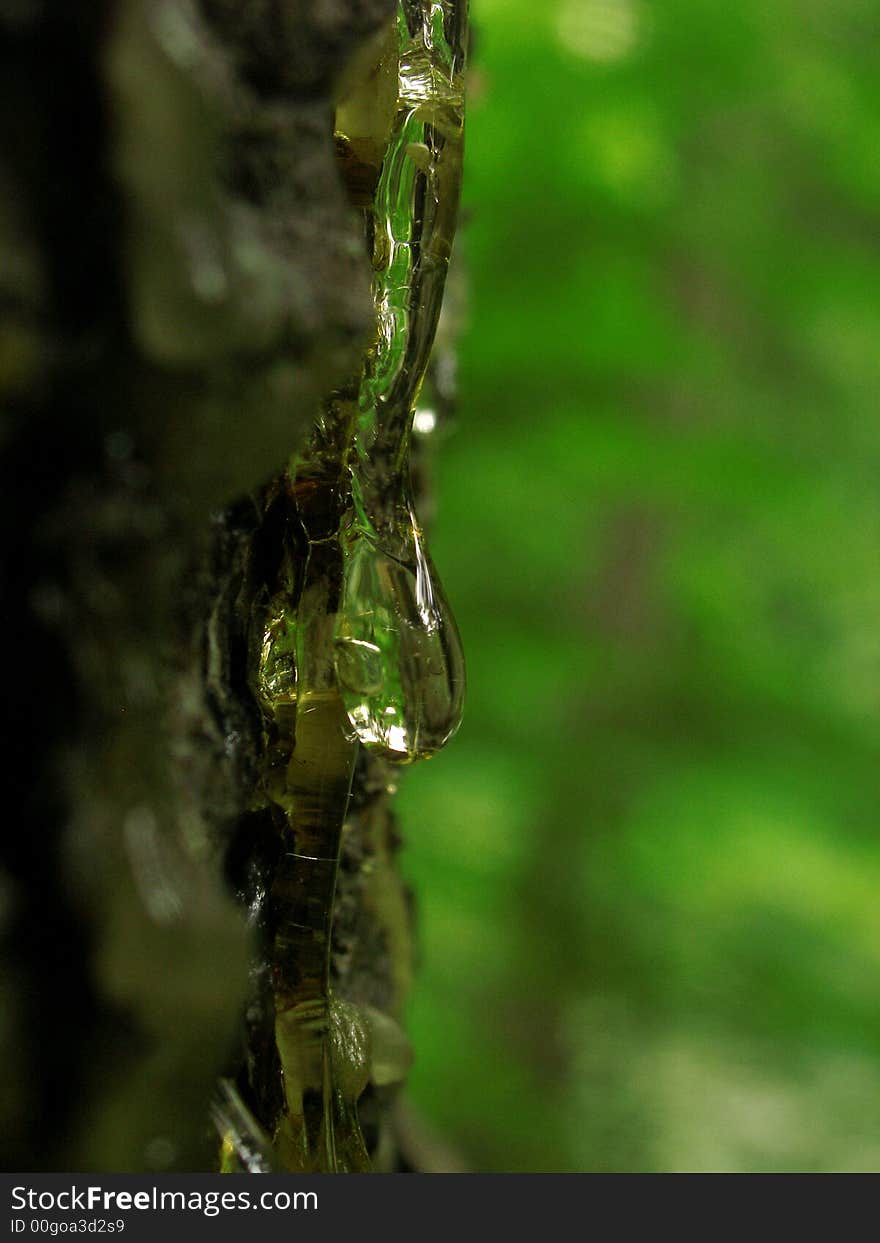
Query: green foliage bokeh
648	867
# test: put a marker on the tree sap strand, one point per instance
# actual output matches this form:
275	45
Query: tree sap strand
398	652
359	645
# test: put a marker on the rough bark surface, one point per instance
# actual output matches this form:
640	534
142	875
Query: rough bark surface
181	280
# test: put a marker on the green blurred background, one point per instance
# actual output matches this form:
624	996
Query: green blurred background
648	867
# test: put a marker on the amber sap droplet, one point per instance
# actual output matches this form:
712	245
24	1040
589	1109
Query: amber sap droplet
399	659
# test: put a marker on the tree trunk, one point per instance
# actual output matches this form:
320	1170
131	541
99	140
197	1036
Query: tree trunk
183	280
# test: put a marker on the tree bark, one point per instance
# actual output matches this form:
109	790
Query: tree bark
182	280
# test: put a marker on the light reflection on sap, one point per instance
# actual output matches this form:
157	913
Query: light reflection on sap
424	421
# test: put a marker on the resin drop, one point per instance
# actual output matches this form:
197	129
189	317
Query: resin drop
398	653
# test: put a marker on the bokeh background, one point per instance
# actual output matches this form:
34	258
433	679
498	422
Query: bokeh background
648	867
